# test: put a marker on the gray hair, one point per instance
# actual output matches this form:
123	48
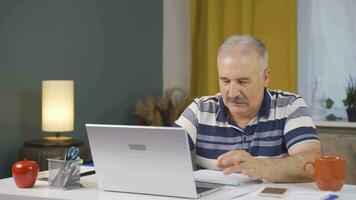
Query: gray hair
244	44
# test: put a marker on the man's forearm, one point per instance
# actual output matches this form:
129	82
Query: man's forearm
288	169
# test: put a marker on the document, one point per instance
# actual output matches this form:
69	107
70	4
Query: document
218	177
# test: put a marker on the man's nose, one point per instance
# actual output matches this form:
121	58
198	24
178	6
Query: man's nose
234	90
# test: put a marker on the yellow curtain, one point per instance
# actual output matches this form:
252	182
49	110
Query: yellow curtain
272	21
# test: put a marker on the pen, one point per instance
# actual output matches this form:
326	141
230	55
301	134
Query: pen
87	173
330	197
243	194
251	182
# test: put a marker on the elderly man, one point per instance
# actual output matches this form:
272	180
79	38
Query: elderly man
248	128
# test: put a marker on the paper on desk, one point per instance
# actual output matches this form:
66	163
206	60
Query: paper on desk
251	192
290	195
230	192
214	176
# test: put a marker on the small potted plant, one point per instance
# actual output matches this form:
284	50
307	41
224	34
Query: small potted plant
350	101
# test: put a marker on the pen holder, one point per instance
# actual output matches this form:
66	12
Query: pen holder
63	174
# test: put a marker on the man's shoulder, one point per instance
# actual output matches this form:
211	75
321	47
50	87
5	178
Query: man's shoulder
283	97
208	103
213	99
282	94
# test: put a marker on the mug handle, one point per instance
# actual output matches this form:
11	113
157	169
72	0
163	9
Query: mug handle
305	171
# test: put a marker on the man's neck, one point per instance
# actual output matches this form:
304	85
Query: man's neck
242	121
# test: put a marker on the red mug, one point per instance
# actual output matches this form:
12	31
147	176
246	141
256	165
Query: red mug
329	172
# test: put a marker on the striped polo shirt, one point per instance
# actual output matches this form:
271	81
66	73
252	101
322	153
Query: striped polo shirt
282	122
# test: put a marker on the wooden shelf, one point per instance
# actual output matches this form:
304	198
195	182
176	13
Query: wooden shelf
336	124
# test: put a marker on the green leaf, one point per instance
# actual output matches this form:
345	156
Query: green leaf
350	101
329	103
331	117
345	102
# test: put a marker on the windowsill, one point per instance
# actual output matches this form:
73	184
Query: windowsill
337	124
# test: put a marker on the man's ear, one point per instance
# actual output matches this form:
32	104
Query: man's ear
266	76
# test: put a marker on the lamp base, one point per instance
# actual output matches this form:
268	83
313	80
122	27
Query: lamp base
42	143
57	139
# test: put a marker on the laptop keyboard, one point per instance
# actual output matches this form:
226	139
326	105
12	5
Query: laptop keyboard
203	189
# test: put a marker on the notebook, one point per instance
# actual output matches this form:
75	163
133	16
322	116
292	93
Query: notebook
145	160
218	177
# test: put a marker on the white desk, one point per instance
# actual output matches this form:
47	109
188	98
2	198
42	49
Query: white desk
306	191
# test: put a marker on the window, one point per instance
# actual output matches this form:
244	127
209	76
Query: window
326	48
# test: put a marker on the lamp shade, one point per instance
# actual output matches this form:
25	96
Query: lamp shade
57	105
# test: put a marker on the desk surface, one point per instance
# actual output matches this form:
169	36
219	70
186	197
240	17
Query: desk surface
89	191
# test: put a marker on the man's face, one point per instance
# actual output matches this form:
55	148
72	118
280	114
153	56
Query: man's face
242	83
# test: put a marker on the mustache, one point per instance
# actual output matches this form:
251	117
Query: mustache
236	100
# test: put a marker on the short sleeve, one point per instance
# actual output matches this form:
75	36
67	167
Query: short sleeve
299	125
189	121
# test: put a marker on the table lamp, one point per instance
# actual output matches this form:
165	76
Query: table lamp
57	108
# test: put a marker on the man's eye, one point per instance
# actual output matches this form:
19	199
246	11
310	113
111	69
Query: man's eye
225	81
243	82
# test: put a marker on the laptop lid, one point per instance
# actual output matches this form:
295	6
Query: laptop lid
142	159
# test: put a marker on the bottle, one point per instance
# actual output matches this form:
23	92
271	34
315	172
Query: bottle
318	110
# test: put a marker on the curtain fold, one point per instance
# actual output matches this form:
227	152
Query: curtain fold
273	21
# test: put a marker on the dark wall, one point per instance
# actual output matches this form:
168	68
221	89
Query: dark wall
112	49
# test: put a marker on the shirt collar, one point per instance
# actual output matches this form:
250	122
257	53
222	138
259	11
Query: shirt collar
266	104
263	112
223	110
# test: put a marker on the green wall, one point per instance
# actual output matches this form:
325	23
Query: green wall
112	49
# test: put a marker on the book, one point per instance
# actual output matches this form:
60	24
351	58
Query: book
218	177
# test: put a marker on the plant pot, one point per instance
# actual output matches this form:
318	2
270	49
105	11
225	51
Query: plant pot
351	114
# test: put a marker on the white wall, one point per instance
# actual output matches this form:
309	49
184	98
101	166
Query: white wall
326	48
176	44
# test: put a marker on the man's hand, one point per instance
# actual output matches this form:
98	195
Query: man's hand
284	169
240	161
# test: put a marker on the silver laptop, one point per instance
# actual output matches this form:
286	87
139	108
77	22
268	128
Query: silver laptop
144	159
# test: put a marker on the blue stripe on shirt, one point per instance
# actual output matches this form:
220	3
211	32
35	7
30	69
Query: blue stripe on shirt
302	133
191	143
